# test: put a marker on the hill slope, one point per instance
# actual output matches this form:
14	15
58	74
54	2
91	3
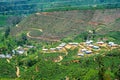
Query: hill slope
56	25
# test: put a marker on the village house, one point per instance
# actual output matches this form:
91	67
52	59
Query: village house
80	54
5	56
19	50
53	49
88	42
2	56
13	51
59	48
96	47
100	43
88	52
90	46
8	56
29	46
62	45
44	50
71	45
83	50
112	44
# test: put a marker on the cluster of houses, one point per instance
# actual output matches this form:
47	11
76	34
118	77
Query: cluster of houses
61	47
19	50
5	56
58	48
87	47
22	49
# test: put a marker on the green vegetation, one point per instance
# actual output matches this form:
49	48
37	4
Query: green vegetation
115	36
3	19
7	70
37	65
70	56
67	26
54	5
10	20
88	68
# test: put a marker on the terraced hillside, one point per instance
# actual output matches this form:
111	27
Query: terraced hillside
57	25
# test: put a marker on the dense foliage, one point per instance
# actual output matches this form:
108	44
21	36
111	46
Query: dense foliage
7	70
30	6
95	67
42	66
38	65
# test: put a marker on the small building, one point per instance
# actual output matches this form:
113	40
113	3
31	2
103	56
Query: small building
45	49
112	44
95	47
88	52
91	46
100	42
13	51
73	43
29	46
52	49
83	50
88	42
8	56
59	48
5	56
20	50
2	56
80	54
62	44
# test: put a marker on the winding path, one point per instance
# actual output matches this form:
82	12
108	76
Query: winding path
17	71
42	38
60	59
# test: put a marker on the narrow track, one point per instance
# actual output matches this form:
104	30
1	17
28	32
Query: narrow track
42	38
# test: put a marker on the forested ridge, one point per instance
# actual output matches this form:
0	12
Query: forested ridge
30	6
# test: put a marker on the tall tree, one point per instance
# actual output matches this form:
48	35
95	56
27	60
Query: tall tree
7	32
24	38
102	70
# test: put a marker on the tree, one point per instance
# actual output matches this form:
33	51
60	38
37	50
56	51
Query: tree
102	70
118	73
85	36
24	38
7	32
7	70
94	34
